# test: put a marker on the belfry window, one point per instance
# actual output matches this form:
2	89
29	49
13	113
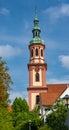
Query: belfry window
41	52
32	53
36	52
37	99
37	77
36	33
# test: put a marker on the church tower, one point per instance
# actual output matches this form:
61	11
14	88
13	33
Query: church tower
36	67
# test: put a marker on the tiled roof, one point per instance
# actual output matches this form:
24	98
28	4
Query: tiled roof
53	93
56	87
10	108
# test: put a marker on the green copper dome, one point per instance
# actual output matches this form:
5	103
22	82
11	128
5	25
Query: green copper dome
36	33
36	40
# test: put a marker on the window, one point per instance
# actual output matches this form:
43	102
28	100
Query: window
37	77
36	52
41	52
37	99
32	53
36	33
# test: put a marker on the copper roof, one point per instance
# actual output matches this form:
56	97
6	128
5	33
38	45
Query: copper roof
53	93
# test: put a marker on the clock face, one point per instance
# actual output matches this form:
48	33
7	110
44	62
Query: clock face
37	68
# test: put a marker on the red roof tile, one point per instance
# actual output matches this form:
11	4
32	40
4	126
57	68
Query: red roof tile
10	108
53	93
56	87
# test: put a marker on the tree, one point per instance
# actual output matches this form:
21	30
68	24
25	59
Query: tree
5	119
34	117
21	115
20	105
21	121
45	127
20	112
5	81
56	119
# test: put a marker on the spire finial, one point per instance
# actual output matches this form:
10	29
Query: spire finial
36	12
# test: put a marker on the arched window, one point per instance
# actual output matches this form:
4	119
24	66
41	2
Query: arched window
36	33
41	52
36	52
37	77
37	99
32	53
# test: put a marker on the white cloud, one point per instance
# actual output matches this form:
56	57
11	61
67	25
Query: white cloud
64	59
58	81
64	10
22	94
57	12
4	11
9	51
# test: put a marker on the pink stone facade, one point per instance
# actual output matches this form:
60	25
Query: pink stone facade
36	67
37	64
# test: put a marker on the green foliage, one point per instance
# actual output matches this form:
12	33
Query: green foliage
5	81
20	105
56	119
36	108
21	115
22	126
20	112
21	120
5	120
35	118
45	127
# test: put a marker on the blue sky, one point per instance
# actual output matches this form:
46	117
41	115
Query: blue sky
16	23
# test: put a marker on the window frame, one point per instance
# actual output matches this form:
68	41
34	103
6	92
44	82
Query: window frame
37	99
32	53
36	52
42	52
37	77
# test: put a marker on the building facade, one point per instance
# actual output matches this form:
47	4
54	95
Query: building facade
38	89
36	67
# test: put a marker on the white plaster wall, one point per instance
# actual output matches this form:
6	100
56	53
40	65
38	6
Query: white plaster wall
66	92
33	99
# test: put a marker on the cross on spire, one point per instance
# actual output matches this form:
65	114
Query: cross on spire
36	12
